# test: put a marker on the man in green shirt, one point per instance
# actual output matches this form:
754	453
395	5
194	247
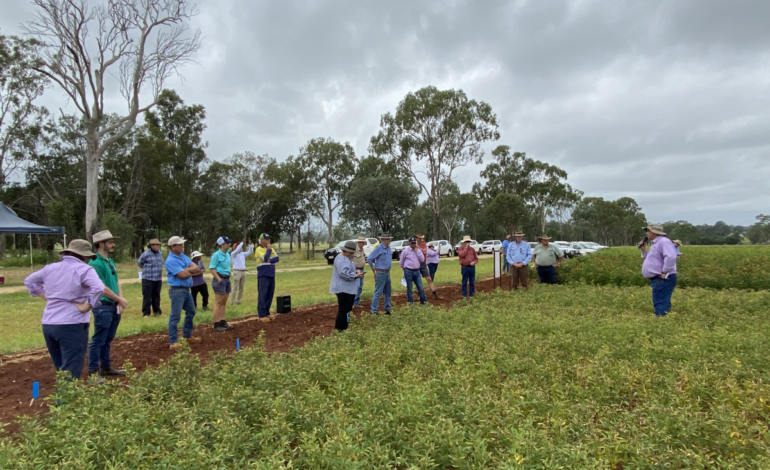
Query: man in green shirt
547	258
107	315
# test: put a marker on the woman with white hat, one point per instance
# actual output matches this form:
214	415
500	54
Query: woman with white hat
199	285
71	288
345	284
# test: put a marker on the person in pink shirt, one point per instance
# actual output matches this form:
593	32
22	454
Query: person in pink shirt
659	267
432	260
410	261
71	288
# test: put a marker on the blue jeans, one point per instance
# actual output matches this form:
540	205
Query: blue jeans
67	345
547	274
661	294
266	288
357	300
505	263
381	288
432	267
469	277
413	275
106	321
181	299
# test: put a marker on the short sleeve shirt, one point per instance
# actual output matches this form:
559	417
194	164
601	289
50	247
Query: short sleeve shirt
547	256
107	272
176	264
220	262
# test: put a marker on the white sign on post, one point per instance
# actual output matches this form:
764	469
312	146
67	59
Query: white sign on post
498	265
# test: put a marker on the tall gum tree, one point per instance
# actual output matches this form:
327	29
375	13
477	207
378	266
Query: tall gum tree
433	133
140	42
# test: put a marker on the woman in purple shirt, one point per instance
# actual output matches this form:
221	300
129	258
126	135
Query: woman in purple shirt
71	288
432	261
199	284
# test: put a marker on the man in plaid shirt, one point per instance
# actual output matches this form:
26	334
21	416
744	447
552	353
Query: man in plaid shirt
151	264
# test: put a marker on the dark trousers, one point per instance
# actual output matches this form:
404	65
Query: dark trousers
469	278
203	290
547	274
67	345
151	296
266	287
106	321
662	289
344	306
432	268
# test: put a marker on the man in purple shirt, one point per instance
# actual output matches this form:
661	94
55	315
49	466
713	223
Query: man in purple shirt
71	288
410	261
659	267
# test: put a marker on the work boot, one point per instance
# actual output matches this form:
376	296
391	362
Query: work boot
220	327
263	319
193	339
110	372
175	346
205	309
436	296
227	325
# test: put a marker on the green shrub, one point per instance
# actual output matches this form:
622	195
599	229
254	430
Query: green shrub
719	267
559	377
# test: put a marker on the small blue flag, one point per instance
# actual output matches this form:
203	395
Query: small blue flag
238	344
35	389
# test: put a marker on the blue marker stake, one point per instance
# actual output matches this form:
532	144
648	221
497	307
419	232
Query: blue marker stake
237	345
35	389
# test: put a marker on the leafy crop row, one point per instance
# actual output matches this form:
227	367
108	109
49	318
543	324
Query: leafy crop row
559	377
719	267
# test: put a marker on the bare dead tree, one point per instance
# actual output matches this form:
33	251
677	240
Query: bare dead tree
143	41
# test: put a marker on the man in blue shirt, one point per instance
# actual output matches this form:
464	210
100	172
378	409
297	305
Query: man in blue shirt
380	260
518	255
505	244
179	270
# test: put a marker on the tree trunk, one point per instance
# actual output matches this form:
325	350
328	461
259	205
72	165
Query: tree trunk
93	161
329	226
436	226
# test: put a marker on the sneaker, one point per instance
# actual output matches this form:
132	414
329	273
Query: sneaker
193	339
110	372
220	326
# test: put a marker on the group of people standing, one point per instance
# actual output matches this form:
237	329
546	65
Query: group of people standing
86	281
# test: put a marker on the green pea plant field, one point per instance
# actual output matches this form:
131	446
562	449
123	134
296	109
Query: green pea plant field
579	375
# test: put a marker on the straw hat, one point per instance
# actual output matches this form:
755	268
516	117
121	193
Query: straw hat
79	247
677	242
466	238
361	239
386	236
518	233
656	229
103	236
154	241
419	235
543	237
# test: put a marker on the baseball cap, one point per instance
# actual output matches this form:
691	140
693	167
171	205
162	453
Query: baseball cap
265	236
223	240
175	240
412	240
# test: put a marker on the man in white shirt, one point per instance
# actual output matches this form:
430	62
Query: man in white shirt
238	280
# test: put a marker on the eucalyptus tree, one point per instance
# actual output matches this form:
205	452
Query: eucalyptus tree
139	42
432	134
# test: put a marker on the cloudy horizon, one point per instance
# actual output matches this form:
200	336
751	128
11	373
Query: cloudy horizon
664	102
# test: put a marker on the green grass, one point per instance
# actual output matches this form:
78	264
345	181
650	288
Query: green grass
560	377
20	314
716	267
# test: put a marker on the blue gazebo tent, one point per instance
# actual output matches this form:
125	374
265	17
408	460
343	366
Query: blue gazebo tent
12	223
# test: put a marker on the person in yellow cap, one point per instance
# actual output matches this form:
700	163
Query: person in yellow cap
266	259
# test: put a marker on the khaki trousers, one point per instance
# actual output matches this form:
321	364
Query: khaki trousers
519	274
238	282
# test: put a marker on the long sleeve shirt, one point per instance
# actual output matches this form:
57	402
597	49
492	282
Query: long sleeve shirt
411	259
239	257
518	253
63	283
660	258
432	257
151	264
381	258
343	277
359	259
266	259
466	254
198	280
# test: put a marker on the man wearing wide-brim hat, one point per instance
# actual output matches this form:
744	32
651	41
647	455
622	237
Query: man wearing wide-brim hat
71	288
359	261
506	243
151	264
107	315
659	267
677	244
547	258
468	259
380	260
518	255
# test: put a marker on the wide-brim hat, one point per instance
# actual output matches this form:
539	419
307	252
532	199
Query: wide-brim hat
431	244
176	240
154	241
466	238
678	242
350	246
518	233
656	229
386	236
104	235
79	247
543	237
361	239
419	235
196	254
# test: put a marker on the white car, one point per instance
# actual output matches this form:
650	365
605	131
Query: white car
443	247
397	247
491	245
332	253
581	248
567	248
593	245
474	244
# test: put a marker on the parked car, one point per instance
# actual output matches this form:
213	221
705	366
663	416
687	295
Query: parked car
582	248
332	252
443	247
533	244
474	244
566	247
397	247
593	245
491	245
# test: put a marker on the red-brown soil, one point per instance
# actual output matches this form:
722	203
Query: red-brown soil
19	371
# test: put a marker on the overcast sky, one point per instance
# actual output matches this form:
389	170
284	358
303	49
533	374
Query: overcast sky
667	102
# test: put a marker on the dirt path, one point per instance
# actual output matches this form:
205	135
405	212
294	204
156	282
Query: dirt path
18	371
